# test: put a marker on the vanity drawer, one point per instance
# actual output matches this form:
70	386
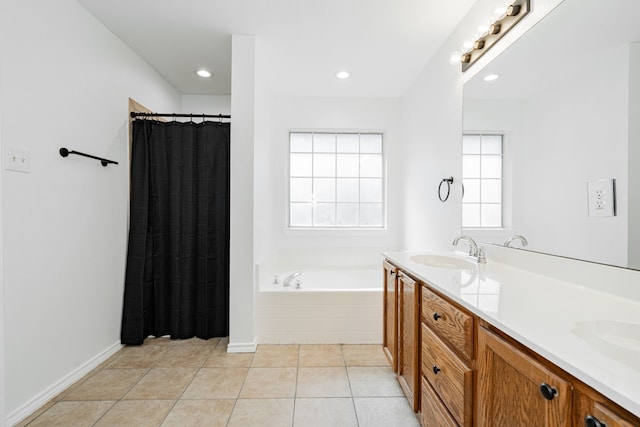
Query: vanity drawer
449	376
433	412
449	322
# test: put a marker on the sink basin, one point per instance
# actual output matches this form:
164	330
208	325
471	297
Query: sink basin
619	340
442	261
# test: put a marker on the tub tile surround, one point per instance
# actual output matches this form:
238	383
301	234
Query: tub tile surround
558	307
353	387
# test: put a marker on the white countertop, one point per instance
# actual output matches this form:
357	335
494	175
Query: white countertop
590	331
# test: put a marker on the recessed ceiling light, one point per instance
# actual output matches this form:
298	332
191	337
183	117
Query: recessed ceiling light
343	75
491	77
203	73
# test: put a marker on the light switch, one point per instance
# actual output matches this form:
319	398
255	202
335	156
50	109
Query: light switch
17	159
602	197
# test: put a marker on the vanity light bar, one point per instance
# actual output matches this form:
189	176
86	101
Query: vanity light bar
513	14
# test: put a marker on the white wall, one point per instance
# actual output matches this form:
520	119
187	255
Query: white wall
634	156
431	131
2	370
207	104
314	113
241	328
65	83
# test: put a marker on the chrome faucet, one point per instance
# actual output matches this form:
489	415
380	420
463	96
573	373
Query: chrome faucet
289	278
474	251
515	237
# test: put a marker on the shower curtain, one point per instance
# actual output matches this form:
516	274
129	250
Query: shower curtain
177	273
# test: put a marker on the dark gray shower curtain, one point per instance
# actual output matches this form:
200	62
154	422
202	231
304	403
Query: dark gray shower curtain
177	274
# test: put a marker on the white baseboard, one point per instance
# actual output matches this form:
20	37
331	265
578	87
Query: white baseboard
242	347
52	391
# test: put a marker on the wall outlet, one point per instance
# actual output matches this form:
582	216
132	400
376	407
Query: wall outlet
601	196
17	159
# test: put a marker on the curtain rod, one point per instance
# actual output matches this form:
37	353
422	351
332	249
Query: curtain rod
135	114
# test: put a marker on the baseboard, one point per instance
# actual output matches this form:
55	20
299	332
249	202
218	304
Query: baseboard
241	347
40	399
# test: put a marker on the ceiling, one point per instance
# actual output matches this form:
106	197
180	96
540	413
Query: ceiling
301	44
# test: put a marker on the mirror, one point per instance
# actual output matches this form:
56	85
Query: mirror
568	106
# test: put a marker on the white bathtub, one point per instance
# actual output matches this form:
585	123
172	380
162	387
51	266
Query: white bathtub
331	306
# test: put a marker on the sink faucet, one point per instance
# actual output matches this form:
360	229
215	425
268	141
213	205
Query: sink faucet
516	237
289	278
473	246
474	251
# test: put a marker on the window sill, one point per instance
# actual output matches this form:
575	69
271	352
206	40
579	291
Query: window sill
359	232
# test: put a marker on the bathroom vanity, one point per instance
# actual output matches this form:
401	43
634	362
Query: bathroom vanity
513	342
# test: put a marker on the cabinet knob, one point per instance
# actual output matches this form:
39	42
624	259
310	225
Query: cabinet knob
436	316
591	421
547	391
436	369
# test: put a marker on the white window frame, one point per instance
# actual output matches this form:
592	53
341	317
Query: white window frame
337	228
503	199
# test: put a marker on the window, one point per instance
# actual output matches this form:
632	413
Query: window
336	180
482	179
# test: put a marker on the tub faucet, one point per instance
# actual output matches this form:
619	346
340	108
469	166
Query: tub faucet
474	252
515	237
289	278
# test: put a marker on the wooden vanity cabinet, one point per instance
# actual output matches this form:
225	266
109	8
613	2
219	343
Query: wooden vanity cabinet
590	409
446	359
409	338
514	389
390	314
459	370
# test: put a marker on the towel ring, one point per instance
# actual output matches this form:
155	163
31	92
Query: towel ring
449	181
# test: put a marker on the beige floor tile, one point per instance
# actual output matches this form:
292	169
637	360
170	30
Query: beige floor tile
211	342
321	355
269	383
162	384
137	357
373	381
195	413
35	414
166	340
184	357
136	413
72	414
324	412
323	382
385	412
219	359
221	347
364	355
216	383
262	412
108	384
276	356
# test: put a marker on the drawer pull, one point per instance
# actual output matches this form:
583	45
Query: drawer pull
591	421
436	369
436	316
547	391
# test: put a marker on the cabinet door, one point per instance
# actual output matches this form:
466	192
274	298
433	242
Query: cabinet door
516	390
390	314
408	346
593	410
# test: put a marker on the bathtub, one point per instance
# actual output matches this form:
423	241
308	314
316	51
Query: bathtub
335	305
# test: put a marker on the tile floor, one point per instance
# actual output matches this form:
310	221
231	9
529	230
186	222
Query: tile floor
196	383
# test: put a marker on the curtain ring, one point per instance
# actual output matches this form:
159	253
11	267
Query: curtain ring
174	117
203	119
219	119
449	181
